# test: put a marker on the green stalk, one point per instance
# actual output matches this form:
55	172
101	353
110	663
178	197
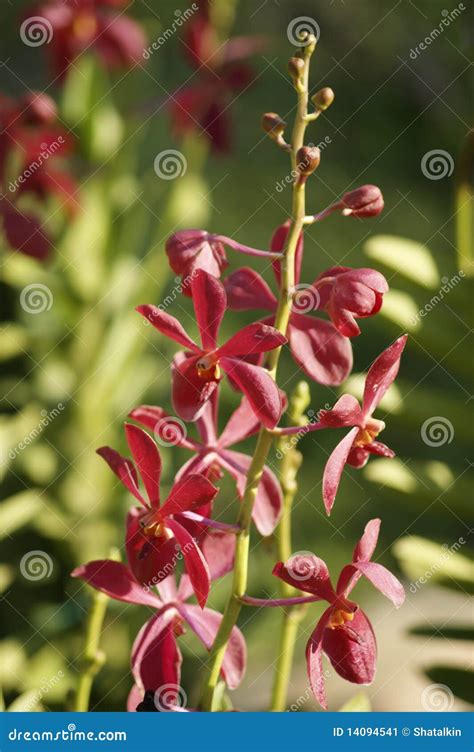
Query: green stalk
265	437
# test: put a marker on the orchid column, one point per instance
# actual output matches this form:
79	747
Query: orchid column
303	161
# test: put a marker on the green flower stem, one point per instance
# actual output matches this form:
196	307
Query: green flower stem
265	437
93	657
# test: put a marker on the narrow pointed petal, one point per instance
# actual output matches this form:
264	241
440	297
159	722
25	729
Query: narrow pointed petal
308	573
135	696
382	374
269	501
247	290
167	325
196	565
205	624
166	427
147	458
368	542
334	468
379	576
115	580
314	659
346	412
352	649
124	470
252	339
156	658
168	590
189	392
190	492
319	349
242	423
259	388
209	300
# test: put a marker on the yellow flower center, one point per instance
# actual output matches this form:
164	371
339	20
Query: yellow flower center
339	618
369	432
84	26
208	369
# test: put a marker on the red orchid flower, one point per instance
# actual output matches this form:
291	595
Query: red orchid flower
221	74
156	657
213	455
343	633
346	294
318	348
357	446
197	372
156	533
80	25
189	250
29	133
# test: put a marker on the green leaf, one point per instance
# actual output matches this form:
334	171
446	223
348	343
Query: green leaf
443	632
18	510
460	681
425	561
406	257
13	340
360	703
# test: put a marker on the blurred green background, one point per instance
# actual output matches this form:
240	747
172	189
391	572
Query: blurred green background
92	354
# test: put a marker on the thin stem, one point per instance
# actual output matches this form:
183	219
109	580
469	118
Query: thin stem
265	437
93	657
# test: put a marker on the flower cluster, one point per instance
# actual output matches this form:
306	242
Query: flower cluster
32	145
315	322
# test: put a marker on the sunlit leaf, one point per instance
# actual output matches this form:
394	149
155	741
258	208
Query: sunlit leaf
408	258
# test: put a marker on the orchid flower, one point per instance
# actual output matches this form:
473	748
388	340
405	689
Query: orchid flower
80	25
357	446
212	454
156	658
344	632
197	372
156	532
318	348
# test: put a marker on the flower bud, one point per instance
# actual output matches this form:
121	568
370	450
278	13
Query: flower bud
366	201
295	68
307	159
273	124
323	98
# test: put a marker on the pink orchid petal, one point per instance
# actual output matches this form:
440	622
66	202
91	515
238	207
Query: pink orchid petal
147	459
381	375
219	550
308	573
259	388
368	542
115	580
190	492
352	649
247	290
205	624
209	300
334	468
156	658
346	412
167	325
124	470
242	423
168	590
135	696
196	565
380	578
318	348
206	423
189	392
269	500
314	659
163	425
344	321
252	339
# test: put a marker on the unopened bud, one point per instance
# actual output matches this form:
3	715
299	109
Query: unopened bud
273	124
307	159
366	201
39	109
295	68
323	98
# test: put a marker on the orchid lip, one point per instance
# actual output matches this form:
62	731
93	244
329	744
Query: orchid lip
208	367
369	432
